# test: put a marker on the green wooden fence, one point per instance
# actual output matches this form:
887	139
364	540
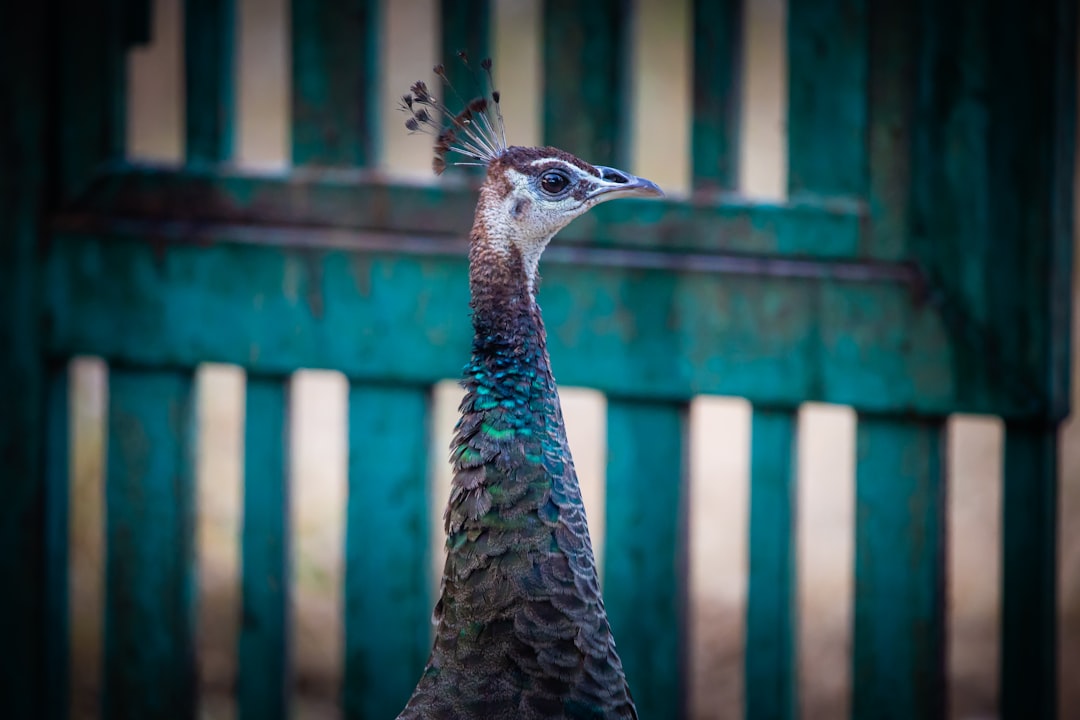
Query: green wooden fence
920	268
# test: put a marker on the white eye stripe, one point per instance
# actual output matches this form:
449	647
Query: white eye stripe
570	168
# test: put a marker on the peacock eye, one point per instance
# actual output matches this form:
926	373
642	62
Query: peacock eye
553	182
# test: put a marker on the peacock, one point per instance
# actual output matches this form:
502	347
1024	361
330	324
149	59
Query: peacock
521	630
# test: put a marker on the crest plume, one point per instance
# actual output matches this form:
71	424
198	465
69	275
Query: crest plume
476	131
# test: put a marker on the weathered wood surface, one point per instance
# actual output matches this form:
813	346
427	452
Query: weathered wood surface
920	268
388	601
898	650
263	651
149	669
398	317
645	577
771	674
24	565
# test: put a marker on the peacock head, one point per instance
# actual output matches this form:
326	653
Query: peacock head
530	193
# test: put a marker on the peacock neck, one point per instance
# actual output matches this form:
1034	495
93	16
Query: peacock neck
520	576
507	326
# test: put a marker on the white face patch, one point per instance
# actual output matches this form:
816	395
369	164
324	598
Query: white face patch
524	208
528	217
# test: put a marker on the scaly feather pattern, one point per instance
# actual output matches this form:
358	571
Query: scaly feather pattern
521	626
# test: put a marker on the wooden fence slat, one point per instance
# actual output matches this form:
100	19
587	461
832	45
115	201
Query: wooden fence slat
263	681
209	79
585	87
387	595
149	536
25	63
717	81
335	85
644	566
827	96
1028	677
465	25
898	657
57	514
92	87
891	98
771	675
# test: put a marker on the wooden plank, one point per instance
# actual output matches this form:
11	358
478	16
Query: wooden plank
24	65
827	96
771	675
465	25
387	599
137	22
1029	573
191	200
210	79
149	536
644	573
1062	208
1019	271
585	71
92	87
891	82
58	452
992	173
335	50
717	78
263	683
394	317
898	659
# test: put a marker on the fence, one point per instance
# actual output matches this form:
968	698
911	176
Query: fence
919	268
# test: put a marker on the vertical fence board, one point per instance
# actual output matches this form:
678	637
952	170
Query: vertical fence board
92	88
645	573
209	79
24	51
1062	208
827	91
335	82
465	25
717	78
57	512
771	664
149	537
585	68
263	680
891	81
899	645
387	600
1029	567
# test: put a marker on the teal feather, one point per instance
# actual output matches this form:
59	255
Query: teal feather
522	631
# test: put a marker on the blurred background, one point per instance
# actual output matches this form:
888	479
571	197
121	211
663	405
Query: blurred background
720	426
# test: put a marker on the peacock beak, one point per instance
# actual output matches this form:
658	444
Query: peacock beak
618	184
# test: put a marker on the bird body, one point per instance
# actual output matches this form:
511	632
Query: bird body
521	626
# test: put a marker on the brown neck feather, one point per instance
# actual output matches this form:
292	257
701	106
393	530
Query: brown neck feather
501	299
